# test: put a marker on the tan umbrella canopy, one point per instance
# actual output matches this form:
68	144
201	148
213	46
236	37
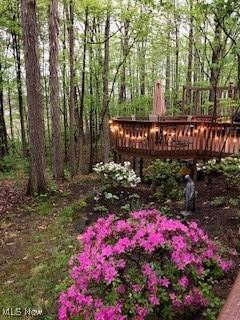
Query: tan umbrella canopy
159	107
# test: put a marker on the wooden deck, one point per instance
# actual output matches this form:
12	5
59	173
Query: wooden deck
231	309
181	137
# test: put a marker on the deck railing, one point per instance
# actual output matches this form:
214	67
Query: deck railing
179	136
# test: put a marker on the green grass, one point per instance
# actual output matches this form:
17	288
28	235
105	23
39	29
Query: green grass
37	282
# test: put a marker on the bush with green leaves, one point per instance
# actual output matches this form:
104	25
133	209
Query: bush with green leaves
166	175
229	167
11	164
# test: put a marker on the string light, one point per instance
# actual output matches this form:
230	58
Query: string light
234	140
110	121
153	130
196	130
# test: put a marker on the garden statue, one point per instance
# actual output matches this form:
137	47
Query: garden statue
189	193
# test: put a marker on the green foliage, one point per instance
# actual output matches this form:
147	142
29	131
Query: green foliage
164	174
229	167
110	196
218	201
100	209
44	208
235	202
11	165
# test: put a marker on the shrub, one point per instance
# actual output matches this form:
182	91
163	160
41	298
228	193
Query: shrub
148	265
116	174
11	163
229	167
218	201
166	175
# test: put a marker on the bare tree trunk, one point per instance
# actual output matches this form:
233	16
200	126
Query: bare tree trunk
142	67
106	138
125	39
91	126
17	57
3	131
190	57
65	118
176	60
57	156
37	181
10	114
71	98
80	122
168	73
217	54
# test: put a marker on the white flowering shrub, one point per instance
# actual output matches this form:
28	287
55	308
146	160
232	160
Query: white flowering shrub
117	174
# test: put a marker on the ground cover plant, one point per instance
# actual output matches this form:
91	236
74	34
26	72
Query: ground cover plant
147	265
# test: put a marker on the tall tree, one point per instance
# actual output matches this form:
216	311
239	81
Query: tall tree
124	44
106	140
80	121
57	156
37	181
190	54
72	88
3	131
18	66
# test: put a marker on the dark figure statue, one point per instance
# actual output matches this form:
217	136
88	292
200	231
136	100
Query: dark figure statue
189	193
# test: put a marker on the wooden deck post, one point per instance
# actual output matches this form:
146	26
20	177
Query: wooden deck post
141	168
134	163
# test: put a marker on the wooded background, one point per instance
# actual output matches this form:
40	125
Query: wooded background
67	66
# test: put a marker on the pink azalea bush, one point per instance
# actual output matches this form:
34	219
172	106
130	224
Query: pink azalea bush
148	265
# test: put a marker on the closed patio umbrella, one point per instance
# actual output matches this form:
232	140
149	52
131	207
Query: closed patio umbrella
159	107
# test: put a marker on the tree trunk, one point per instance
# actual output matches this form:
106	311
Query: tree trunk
65	118
142	67
80	122
217	53
37	183
71	98
10	115
124	41
190	57
91	114
17	57
176	61
106	138
57	156
3	131
168	73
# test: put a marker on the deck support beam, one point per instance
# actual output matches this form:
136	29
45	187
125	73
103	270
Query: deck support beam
141	168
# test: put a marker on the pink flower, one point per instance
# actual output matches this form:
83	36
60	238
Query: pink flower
154	300
164	282
183	282
123	257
